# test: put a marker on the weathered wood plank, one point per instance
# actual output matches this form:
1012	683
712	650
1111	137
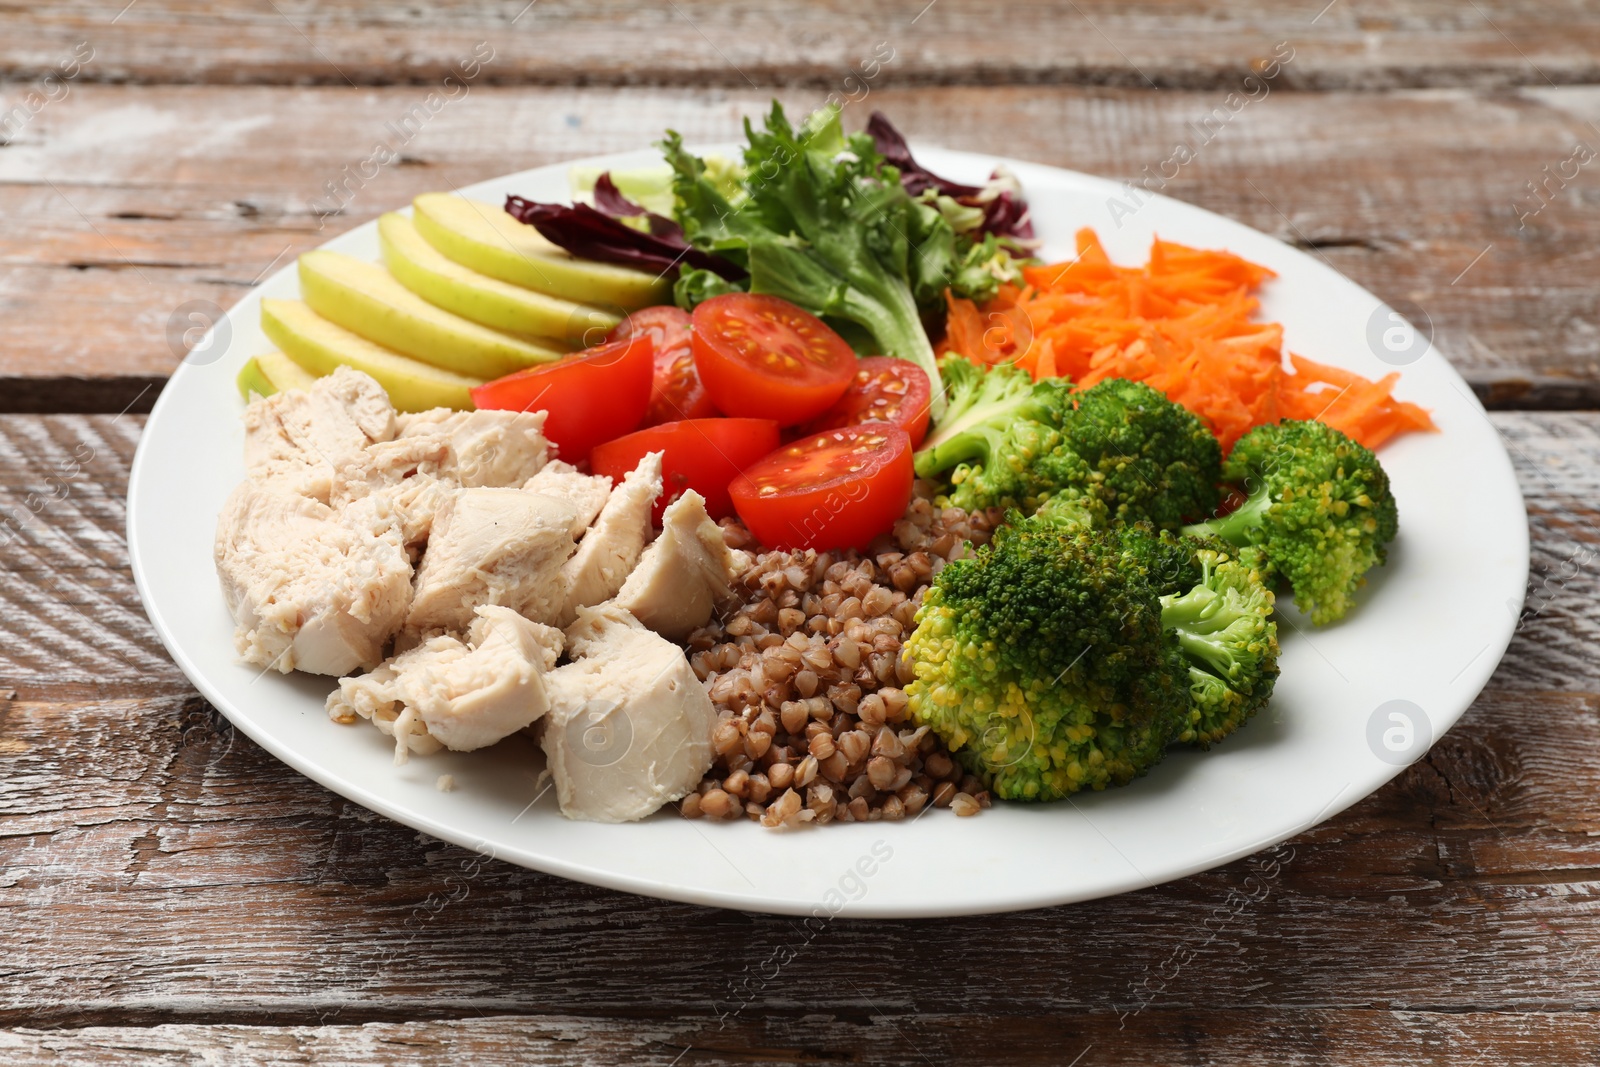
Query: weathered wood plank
1260	1037
123	203
157	867
69	611
1168	43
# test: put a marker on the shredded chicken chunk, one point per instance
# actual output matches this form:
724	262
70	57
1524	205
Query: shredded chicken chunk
585	493
460	695
685	574
629	727
496	449
608	552
491	546
299	439
307	589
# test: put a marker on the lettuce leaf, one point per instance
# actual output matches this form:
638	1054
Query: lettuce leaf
824	225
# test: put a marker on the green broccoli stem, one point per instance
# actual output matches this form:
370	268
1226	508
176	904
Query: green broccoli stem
970	445
1238	526
1195	618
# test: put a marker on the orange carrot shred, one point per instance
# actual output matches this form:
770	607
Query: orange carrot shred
1184	324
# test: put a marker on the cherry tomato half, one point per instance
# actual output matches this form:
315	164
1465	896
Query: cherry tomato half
884	389
699	454
764	358
677	392
835	489
590	396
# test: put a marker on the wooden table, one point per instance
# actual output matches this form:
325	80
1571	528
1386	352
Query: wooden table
168	891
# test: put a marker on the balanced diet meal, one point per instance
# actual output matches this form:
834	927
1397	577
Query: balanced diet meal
792	487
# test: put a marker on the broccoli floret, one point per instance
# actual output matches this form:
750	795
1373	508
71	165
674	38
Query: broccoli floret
982	405
1060	658
1217	607
1002	435
1008	441
1162	558
1029	464
1157	460
1228	640
1068	509
1044	665
1318	512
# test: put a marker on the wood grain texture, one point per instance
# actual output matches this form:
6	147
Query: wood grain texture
1268	1037
123	204
176	873
1166	43
169	890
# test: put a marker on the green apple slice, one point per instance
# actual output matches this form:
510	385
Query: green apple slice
283	372
368	300
486	239
440	280
273	372
319	346
253	381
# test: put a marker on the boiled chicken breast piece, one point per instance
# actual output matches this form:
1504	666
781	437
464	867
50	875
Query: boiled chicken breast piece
608	552
307	590
491	546
685	574
401	479
299	439
455	694
586	493
497	449
629	727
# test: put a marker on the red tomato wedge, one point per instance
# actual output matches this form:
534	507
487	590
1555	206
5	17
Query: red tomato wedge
763	358
677	392
884	389
590	396
835	489
699	454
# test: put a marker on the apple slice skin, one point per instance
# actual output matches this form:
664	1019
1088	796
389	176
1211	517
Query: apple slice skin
501	305
272	372
253	381
319	346
283	372
484	238
367	300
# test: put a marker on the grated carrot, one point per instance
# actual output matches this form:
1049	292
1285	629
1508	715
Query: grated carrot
1183	323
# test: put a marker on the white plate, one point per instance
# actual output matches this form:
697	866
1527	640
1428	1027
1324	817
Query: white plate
1428	630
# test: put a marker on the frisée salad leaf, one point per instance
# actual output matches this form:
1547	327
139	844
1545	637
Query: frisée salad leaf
825	223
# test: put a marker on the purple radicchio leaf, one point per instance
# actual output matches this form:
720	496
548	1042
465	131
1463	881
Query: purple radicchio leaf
609	199
1005	211
590	234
